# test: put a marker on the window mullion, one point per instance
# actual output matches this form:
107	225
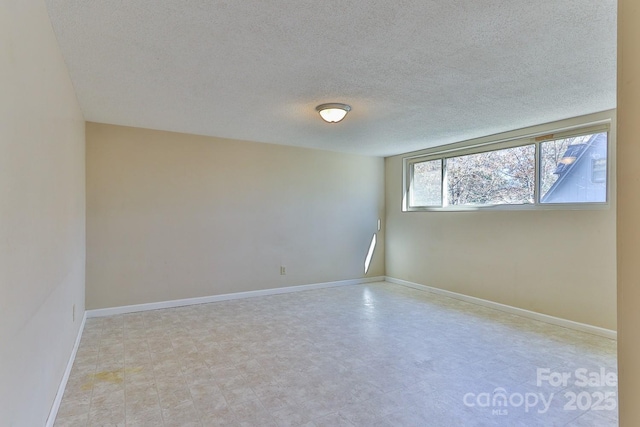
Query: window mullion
536	188
445	183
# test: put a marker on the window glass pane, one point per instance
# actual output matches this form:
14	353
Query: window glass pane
574	170
498	177
426	188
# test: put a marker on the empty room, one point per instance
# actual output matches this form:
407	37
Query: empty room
285	213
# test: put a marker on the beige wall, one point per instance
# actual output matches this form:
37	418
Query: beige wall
173	216
629	212
42	214
556	262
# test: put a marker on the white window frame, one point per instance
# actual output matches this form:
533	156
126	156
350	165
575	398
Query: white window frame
488	144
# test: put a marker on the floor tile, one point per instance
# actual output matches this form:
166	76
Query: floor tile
365	355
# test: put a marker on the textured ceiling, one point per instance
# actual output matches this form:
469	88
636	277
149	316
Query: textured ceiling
418	73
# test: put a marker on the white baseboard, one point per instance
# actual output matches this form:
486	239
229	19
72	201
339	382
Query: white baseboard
595	330
224	297
63	384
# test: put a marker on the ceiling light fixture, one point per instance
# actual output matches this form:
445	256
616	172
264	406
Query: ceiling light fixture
568	160
333	112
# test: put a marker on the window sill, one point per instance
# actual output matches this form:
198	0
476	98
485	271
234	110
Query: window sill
532	207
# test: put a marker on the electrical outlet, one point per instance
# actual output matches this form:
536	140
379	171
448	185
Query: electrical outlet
73	313
283	270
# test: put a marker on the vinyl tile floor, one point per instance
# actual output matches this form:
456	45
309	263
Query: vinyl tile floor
364	355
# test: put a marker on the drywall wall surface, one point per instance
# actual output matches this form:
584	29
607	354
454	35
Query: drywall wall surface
628	212
557	262
42	214
173	216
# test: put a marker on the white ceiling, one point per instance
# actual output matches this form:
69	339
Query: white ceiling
418	73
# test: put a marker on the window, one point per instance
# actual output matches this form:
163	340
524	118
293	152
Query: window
500	177
574	170
554	169
427	183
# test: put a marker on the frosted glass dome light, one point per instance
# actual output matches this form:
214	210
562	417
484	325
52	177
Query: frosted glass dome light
333	112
